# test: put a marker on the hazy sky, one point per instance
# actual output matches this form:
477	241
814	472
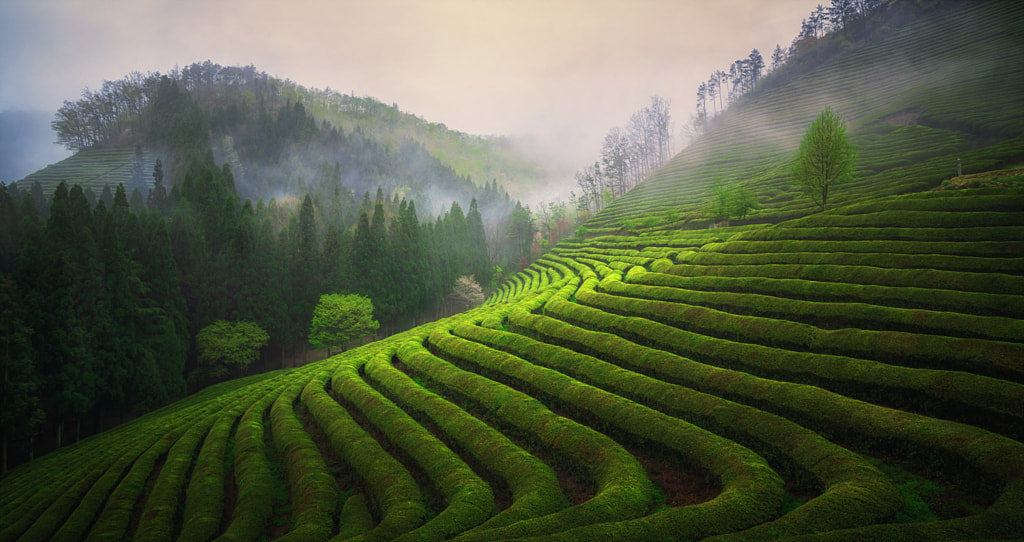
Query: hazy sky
562	71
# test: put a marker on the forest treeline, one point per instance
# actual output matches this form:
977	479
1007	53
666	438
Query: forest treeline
724	88
628	155
105	293
102	304
273	144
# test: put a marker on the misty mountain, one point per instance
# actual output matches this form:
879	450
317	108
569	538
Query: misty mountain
279	137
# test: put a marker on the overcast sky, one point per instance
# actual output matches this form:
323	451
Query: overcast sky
561	71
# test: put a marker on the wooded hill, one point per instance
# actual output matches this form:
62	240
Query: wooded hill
853	374
109	280
277	136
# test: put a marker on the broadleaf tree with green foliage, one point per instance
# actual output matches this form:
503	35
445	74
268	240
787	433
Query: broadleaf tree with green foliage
731	202
226	345
338	318
825	158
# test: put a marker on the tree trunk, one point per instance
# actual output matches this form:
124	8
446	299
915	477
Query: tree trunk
60	431
3	470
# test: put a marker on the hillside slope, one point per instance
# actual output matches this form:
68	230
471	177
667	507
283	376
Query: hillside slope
838	377
915	98
854	374
480	157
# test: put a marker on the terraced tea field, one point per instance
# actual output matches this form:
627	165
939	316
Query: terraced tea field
93	168
917	98
852	375
856	374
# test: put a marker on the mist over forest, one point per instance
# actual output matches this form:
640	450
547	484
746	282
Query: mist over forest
213	194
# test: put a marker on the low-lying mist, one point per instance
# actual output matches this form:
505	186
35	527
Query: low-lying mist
26	143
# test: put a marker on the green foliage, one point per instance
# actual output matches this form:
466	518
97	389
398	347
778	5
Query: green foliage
825	158
675	342
19	394
731	202
848	375
338	319
313	492
521	231
223	346
96	168
388	483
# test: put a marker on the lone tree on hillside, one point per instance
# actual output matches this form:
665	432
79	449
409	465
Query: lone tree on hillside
337	319
825	158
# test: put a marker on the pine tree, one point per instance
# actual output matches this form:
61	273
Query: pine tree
456	236
162	315
117	312
20	412
308	246
380	268
157	199
478	265
71	277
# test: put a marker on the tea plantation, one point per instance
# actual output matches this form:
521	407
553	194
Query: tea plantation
853	374
95	169
837	377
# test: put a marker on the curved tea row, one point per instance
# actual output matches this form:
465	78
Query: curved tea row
731	385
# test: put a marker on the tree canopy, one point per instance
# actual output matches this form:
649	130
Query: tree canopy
825	157
225	345
731	202
337	319
465	295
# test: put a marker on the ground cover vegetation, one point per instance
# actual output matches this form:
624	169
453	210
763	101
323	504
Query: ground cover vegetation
847	374
113	286
908	129
110	307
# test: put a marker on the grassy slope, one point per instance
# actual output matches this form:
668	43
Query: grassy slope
849	375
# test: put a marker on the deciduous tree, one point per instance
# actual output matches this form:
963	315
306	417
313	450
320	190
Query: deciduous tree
225	345
825	158
337	319
465	295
